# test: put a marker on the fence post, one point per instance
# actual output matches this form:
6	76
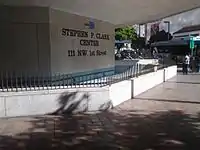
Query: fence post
59	78
11	80
132	88
34	82
43	86
164	71
16	80
29	78
21	82
136	69
26	81
2	82
139	69
6	80
63	78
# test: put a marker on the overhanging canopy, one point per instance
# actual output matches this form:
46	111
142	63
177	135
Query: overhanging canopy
117	12
171	43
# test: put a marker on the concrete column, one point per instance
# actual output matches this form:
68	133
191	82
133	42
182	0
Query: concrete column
139	30
145	32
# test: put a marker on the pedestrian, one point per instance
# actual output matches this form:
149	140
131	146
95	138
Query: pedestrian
186	63
155	53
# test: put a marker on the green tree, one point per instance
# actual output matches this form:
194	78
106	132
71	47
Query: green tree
126	33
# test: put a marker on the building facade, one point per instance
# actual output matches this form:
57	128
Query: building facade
187	32
177	22
42	40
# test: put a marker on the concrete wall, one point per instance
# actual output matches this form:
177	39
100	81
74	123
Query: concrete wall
170	72
150	80
49	101
77	100
24	39
146	82
22	14
126	90
61	44
120	92
31	41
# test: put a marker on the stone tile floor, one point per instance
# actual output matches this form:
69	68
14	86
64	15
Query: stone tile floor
166	117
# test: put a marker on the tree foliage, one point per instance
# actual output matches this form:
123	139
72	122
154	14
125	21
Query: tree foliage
126	33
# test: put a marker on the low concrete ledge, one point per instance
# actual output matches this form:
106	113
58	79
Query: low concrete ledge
120	92
170	72
128	89
25	103
146	82
13	104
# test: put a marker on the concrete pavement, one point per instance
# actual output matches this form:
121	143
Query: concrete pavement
166	117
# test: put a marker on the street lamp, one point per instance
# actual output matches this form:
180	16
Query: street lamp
168	28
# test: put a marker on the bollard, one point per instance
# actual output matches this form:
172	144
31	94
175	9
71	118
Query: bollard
164	74
155	68
199	67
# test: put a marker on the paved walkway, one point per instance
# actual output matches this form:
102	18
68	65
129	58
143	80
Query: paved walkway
164	118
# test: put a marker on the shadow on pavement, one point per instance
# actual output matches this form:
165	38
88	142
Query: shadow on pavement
167	100
170	130
183	82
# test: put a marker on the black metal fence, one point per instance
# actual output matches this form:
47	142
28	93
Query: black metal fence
10	81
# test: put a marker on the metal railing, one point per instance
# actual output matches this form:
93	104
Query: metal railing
13	82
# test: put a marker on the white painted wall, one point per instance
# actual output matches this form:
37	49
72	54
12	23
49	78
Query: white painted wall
170	72
120	92
128	89
146	82
60	61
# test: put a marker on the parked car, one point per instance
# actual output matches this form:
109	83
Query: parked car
128	54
